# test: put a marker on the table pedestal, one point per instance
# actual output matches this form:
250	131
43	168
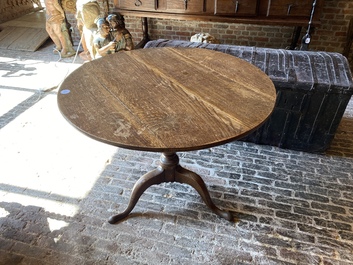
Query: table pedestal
170	171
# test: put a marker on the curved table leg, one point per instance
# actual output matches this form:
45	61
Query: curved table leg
186	176
151	178
170	171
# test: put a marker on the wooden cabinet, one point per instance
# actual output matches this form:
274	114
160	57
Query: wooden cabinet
162	6
236	7
267	12
138	5
295	13
185	6
286	8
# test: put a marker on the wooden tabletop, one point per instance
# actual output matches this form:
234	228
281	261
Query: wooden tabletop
167	99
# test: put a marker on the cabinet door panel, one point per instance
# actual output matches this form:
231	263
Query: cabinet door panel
138	5
186	6
236	7
293	8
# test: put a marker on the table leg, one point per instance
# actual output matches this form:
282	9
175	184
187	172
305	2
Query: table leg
194	180
170	171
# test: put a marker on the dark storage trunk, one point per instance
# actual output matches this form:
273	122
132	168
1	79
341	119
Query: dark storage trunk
313	90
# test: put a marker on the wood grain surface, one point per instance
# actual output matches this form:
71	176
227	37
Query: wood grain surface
26	33
167	99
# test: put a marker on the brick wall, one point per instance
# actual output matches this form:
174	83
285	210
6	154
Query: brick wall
330	36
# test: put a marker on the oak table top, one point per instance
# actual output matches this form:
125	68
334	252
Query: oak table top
167	100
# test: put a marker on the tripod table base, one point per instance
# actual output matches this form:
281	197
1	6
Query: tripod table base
170	171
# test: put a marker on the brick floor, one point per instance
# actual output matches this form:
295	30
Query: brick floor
58	187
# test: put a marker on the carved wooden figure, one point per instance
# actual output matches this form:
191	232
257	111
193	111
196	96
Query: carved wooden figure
56	28
87	13
121	35
102	42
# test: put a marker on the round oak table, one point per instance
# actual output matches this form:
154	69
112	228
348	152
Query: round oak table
167	100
